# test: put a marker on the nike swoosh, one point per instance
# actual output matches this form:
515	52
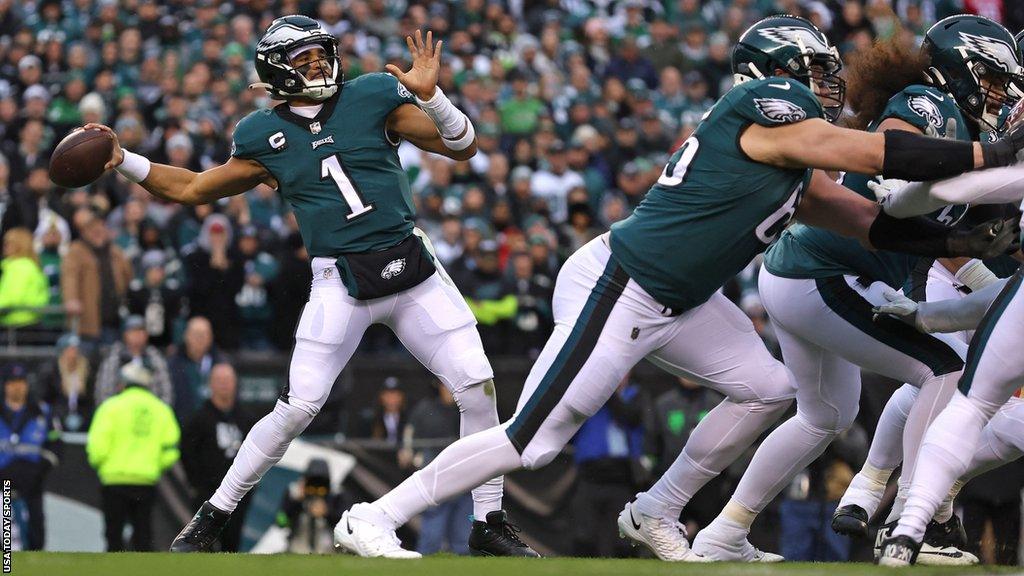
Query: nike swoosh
348	524
636	525
938	97
943	554
784	86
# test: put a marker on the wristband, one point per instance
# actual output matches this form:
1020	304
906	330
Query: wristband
450	121
462	142
975	275
134	167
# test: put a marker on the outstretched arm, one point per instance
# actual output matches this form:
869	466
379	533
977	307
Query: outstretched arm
182	185
995	186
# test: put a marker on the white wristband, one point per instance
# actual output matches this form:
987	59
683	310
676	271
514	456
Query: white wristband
462	142
975	275
135	167
450	121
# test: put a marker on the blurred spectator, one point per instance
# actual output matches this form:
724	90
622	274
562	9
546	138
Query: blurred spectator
29	199
52	238
94	279
29	446
433	424
289	291
190	367
216	274
553	182
310	509
133	348
490	296
992	514
209	441
534	318
155	298
609	446
386	420
254	305
67	386
133	439
22	283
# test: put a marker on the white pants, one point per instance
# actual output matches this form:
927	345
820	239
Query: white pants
827	334
433	322
606	324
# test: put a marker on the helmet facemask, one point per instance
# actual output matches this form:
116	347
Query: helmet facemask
821	74
287	40
996	89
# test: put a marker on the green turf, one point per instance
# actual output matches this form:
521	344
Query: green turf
163	564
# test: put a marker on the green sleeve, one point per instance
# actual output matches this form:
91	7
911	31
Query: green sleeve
927	110
390	93
776	101
253	137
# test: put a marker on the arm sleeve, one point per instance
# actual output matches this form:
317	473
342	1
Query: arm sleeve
778	101
246	142
958	314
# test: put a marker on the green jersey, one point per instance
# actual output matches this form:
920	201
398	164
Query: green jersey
807	252
713	208
339	170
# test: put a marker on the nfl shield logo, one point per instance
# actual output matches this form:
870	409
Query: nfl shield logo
314	127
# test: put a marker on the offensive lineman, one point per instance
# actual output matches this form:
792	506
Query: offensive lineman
331	151
649	288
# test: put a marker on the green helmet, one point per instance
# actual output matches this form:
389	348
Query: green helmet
966	49
795	45
286	38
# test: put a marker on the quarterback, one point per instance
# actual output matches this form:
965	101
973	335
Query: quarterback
649	288
331	151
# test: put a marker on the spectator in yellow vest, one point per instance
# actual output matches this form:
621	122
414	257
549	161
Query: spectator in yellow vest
22	282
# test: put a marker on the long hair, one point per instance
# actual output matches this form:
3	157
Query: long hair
877	74
20	241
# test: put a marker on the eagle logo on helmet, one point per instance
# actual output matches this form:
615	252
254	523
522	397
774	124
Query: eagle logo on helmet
777	110
393	268
998	52
925	108
798	36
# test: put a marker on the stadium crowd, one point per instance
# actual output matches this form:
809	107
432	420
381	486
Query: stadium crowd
576	103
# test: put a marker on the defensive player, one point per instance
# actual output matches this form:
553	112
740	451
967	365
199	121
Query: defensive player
819	287
331	150
649	289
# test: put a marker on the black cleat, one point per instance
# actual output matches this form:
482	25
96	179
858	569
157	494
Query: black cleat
949	534
850	520
201	531
899	551
498	537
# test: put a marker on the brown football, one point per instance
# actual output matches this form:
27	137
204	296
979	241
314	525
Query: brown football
79	158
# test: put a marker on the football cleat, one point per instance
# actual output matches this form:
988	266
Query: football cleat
366	539
201	531
665	538
850	520
940	546
898	551
498	537
720	544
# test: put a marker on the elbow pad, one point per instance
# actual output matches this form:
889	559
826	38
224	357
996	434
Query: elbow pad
914	157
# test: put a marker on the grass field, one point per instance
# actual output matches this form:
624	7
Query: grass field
163	564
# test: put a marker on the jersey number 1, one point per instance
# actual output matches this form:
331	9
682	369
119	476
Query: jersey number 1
330	167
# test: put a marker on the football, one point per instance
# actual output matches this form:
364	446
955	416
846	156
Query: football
79	158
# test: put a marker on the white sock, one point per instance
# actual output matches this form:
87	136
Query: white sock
720	438
462	466
736	515
867	488
946	453
945	511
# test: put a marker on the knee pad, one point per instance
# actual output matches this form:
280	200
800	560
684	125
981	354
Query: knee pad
467	365
775	385
292	417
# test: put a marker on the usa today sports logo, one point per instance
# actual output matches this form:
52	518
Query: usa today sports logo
7	527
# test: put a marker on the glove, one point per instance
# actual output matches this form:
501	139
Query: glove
883	187
1003	152
987	240
899	307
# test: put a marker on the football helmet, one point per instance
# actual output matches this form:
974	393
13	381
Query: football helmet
793	44
978	62
285	39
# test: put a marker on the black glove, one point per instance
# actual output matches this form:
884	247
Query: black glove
986	240
1003	152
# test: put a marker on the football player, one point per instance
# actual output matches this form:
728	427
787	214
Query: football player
649	289
819	287
331	150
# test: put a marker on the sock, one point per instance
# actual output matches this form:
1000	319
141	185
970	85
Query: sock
738	515
718	440
945	511
465	464
867	488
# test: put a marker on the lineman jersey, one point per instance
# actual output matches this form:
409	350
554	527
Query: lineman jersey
339	171
807	252
714	209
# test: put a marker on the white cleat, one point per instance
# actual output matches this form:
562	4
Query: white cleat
667	539
929	555
722	545
366	539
